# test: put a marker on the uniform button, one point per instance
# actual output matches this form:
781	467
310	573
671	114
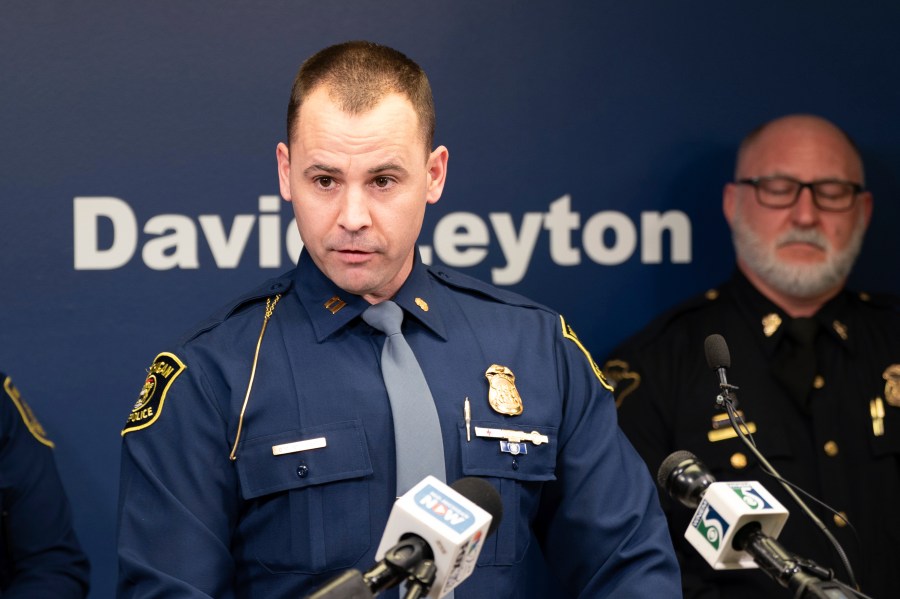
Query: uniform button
738	461
302	470
840	519
831	449
515	464
819	381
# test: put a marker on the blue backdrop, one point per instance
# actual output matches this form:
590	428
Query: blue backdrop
589	142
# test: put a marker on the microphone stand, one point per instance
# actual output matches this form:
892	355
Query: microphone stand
807	579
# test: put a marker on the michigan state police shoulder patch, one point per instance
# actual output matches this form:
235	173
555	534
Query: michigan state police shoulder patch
28	417
160	376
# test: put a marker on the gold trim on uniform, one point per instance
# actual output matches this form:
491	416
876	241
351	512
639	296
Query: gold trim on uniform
569	334
891	376
770	323
31	422
840	519
840	328
748	428
876	410
422	304
624	382
335	304
503	395
738	461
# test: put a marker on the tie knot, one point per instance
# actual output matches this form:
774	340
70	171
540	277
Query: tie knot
803	330
386	317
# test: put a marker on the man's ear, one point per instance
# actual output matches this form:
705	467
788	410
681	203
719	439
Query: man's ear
283	161
437	174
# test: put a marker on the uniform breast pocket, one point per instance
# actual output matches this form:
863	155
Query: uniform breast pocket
519	476
306	509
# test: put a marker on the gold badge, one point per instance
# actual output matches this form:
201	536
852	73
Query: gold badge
503	395
423	305
770	323
891	378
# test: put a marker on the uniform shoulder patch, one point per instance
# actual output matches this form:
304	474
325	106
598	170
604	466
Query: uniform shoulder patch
31	422
569	334
162	373
622	378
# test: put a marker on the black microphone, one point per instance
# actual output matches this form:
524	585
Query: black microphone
432	540
735	521
718	359
717	356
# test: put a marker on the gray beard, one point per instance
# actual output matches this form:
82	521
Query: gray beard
797	280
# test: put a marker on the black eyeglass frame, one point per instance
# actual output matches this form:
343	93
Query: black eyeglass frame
755	182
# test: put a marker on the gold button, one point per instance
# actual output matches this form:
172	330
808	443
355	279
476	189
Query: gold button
712	294
864	296
831	449
839	519
738	461
819	381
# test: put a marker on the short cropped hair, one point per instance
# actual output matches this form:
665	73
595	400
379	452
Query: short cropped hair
360	74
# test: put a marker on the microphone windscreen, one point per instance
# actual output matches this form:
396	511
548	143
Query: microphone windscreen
670	464
484	495
717	355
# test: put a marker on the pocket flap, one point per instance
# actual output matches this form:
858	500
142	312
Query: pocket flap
483	457
343	456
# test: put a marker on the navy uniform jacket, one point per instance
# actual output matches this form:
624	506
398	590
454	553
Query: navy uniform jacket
842	444
39	554
192	523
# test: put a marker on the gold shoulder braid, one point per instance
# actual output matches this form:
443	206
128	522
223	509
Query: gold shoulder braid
569	334
270	308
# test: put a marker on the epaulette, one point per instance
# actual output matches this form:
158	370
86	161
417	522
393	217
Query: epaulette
884	301
466	283
278	285
664	320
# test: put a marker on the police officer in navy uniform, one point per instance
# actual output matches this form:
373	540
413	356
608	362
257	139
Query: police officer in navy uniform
817	365
206	507
39	554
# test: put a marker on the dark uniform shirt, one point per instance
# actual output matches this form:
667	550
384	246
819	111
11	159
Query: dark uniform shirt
39	554
195	524
839	439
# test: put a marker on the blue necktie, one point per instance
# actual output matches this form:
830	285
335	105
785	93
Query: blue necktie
417	430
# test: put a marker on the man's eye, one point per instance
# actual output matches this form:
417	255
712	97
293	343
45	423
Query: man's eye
382	181
324	182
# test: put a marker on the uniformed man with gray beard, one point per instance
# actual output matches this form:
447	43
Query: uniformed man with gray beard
817	365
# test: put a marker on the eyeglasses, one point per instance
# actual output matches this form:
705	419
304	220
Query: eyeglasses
830	195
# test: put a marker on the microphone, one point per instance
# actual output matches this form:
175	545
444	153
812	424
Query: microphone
718	358
735	526
723	510
432	541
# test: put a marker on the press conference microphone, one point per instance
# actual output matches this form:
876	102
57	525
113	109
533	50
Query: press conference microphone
432	540
717	356
735	526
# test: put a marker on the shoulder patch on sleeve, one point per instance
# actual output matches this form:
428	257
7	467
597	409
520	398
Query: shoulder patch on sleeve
622	378
569	334
162	373
28	417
